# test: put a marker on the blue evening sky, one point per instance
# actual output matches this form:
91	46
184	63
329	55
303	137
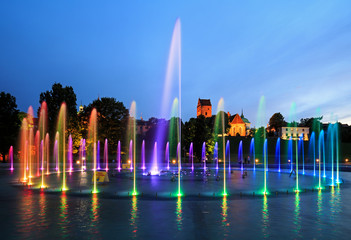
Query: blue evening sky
289	51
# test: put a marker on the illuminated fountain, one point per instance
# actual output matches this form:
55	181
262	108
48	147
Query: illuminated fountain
70	153
92	136
227	153
277	153
143	167
11	158
167	155
191	157
203	155
106	155
119	156
61	130
240	156
252	153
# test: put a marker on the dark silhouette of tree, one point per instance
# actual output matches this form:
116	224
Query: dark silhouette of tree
112	120
9	122
54	98
275	123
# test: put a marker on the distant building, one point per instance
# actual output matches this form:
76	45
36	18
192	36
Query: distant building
142	126
204	107
239	125
295	133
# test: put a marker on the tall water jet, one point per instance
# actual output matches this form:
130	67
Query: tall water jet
215	156
56	153
132	137
167	155
203	155
130	153
321	153
330	141
240	156
92	139
37	152
191	157
61	128
290	153
11	158
106	155
47	153
70	153
42	163
98	155
220	132
277	153
119	156
302	153
312	151
155	170
42	128
260	139
143	167
252	153
24	149
81	154
173	72
337	156
265	153
227	153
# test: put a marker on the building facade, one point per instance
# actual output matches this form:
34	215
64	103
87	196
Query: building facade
204	108
239	125
295	133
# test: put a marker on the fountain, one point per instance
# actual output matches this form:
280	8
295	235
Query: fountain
240	156
11	158
70	153
191	157
252	153
143	167
277	153
119	156
61	130
167	155
203	155
92	136
106	155
98	155
227	154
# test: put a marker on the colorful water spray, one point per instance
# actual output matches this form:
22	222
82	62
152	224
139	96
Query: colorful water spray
61	129
143	167
92	137
240	156
191	157
11	158
106	155
227	153
119	156
70	153
203	155
252	153
167	155
277	153
132	136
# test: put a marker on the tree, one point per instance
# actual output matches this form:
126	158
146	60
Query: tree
54	98
112	120
9	122
276	122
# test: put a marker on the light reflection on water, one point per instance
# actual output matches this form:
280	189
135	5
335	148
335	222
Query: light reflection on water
94	213
297	217
334	206
179	213
225	222
134	217
265	218
63	217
